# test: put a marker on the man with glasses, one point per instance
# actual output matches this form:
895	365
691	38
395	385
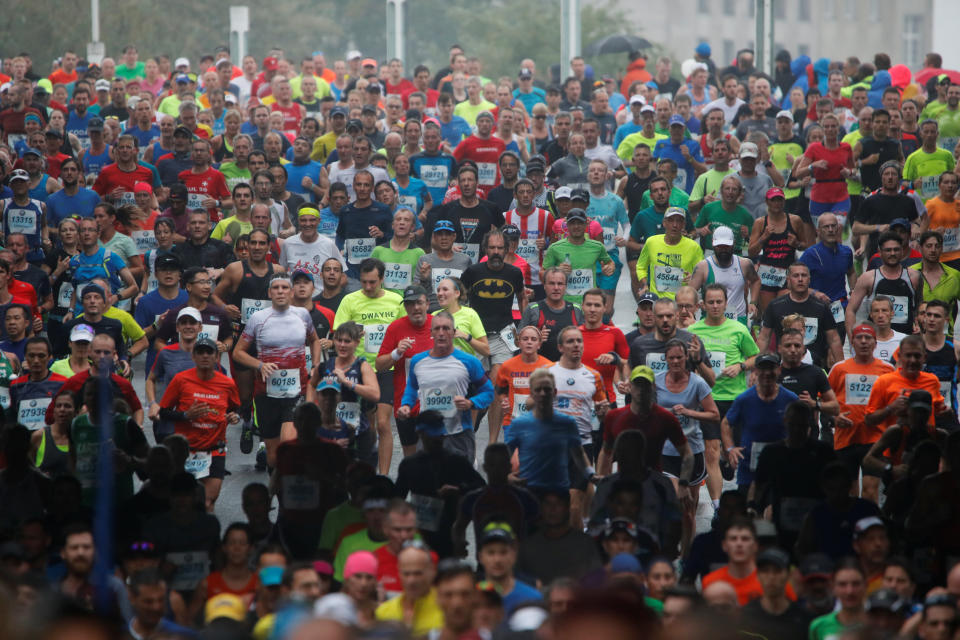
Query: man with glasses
215	321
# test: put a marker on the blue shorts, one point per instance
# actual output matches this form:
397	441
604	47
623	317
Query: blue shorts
609	283
818	208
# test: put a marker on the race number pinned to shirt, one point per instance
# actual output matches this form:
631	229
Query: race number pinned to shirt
609	240
929	187
509	336
469	249
667	279
397	276
951	239
836	309
901	309
527	249
190	568
211	331
359	249
680	182
435	176
299	492
145	240
771	276
657	362
857	387
755	450
410	202
811	326
198	464
21	221
436	275
439	400
487	173
520	407
126	198
718	361
429	511
195	200
349	414
579	281
32	413
283	383
373	337
5	397
249	306
946	390
63	296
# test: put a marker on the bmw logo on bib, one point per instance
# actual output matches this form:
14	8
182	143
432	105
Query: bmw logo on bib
570	381
863	378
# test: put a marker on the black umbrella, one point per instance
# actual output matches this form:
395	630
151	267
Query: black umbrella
621	43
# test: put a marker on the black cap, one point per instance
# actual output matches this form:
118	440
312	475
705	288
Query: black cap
816	565
536	163
205	343
53	133
900	222
920	399
168	262
497	532
767	360
580	194
355	124
649	296
510	231
576	214
775	557
885	600
369	108
178	189
413	293
182	130
95	124
413	114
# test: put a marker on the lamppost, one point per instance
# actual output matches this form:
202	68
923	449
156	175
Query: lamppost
396	37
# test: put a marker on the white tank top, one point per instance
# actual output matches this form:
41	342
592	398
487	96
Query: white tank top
732	280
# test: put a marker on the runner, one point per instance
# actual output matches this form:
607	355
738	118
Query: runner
667	260
483	148
552	313
924	166
472	217
578	257
903	286
607	209
513	379
830	163
775	238
733	272
400	257
32	392
308	249
535	225
604	346
470	334
24	214
443	262
364	224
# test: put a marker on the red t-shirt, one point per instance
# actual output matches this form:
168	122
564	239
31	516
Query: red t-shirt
220	392
62	77
291	117
388	572
209	184
75	383
403	88
604	339
112	176
658	427
432	95
53	164
422	341
829	185
486	153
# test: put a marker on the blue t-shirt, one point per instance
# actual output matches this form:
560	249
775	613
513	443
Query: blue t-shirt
328	223
828	269
355	222
761	423
522	592
686	175
537	96
144	138
150	307
60	205
295	175
543	448
435	171
455	130
77	125
413	195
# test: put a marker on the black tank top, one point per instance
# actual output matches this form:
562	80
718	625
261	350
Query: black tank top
777	251
870	173
349	397
634	190
254	289
900	289
55	461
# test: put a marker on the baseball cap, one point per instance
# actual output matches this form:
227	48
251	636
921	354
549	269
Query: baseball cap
767	360
360	562
428	426
354	124
225	605
510	231
178	190
182	78
19	174
53	133
181	62
723	236
525	74
323	567
537	163
773	192
900	222
95	124
300	273
205	342
885	600
497	532
443	225
169	262
326	384
624	563
81	332
784	113
580	194
865	524
775	557
637	99
338	607
30	151
229	98
353	54
749	150
368	108
270	63
484	114
648	108
643	372
183	130
616	525
576	214
368	62
562	192
413	292
102	85
677	119
142	186
816	565
674	211
649	296
920	399
40	90
703	50
339	111
271	576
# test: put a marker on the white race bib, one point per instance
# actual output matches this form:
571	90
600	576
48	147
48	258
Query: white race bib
409	202
21	221
948	142
32	413
946	390
63	296
857	387
487	173
836	308
152	283
359	249
901	309
951	239
198	464
5	397
439	400
609	240
579	281
373	335
435	176
145	240
249	306
755	450
190	568
811	326
657	362
283	383
527	249
126	197
667	279
520	405
349	413
509	336
299	492
718	361
211	331
680	182
469	249
771	276
929	187
436	275
429	511
195	200
397	276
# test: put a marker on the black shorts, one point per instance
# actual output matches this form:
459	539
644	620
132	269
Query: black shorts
407	431
269	414
710	429
218	466
633	255
385	380
852	457
671	468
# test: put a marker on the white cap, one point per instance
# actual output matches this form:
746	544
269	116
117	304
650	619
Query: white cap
102	85
634	99
648	108
723	236
563	192
749	150
81	332
181	62
352	54
132	102
674	211
5	87
338	607
190	312
229	98
784	113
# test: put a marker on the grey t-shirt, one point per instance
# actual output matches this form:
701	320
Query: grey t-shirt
697	389
648	350
441	269
755	192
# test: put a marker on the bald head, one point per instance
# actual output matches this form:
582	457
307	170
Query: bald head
721	595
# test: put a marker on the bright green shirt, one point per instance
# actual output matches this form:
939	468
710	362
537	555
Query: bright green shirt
375	314
62	367
467	320
627	145
778	156
727	344
583	259
232	225
336	520
949	121
131	328
854	187
714	215
469	111
664	266
359	541
234	175
127	73
401	266
323	87
678	198
827	626
708	184
928	167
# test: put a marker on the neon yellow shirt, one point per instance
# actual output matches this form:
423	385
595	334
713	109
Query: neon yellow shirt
625	150
664	266
469	111
467	320
131	329
374	314
928	167
427	615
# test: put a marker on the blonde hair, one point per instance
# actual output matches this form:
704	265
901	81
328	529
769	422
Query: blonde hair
791	320
542	372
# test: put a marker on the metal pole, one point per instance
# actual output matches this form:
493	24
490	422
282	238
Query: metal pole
239	26
95	20
396	41
569	34
764	54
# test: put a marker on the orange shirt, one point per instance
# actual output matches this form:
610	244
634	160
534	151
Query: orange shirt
220	392
852	382
747	588
890	386
514	376
62	77
945	218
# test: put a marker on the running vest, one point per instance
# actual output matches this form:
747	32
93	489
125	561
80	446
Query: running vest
353	409
732	280
706	146
634	190
252	293
26	219
39	192
225	152
900	289
776	257
93	164
51	459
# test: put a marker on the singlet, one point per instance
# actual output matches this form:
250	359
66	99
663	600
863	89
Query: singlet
352	410
252	292
776	257
94	164
706	145
27	219
39	192
217	585
903	294
633	191
51	458
706	96
225	151
732	280
533	226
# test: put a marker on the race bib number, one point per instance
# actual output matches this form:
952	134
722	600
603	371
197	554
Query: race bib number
436	275
469	249
349	413
667	279
249	306
730	312
284	383
520	406
191	567
509	336
487	173
5	397
657	362
63	296
198	464
793	511
718	361
858	387
951	239
409	202
299	492
32	413
429	511
949	143
439	400
126	197
771	276
680	182
145	240
435	177
527	249
195	200
373	337
152	283
946	390
397	276
211	331
609	240
579	281
901	309
929	187
755	452
359	249
811	326
836	309
21	221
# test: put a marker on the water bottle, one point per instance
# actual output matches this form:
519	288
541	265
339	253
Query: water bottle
566	259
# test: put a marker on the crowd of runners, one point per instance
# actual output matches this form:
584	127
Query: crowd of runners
325	261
